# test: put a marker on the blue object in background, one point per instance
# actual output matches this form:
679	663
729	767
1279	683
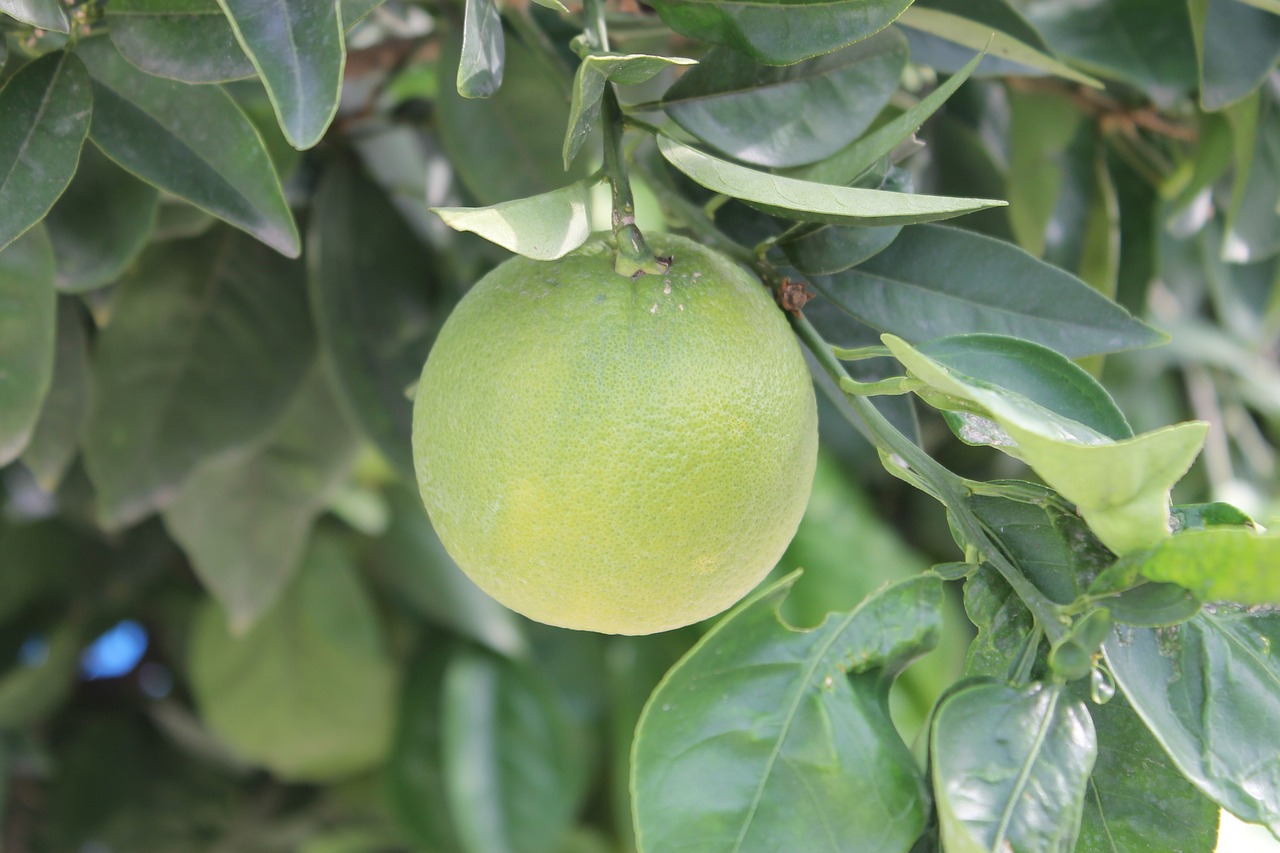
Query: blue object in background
115	653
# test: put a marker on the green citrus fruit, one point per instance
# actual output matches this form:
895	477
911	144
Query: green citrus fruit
615	455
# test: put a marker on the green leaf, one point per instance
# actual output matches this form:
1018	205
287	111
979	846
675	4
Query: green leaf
1010	768
56	435
780	33
543	227
508	757
368	280
832	249
1005	626
977	35
31	691
1215	514
207	342
935	281
597	69
847	164
795	199
1120	487
1272	6
765	738
1229	563
1072	657
1237	47
28	326
192	141
45	14
1209	690
244	517
187	40
309	692
510	145
1137	801
1044	167
297	46
100	224
772	116
46	106
1253	225
483	57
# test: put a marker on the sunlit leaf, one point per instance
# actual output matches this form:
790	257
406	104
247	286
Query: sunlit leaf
543	227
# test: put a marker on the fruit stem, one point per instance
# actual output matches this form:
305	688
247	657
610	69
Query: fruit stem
945	486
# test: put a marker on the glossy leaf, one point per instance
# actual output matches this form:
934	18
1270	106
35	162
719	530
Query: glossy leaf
788	116
597	69
1005	627
309	691
1010	768
44	14
543	227
56	435
764	738
1207	690
978	36
508	760
244	517
1137	801
483	57
796	199
46	105
1231	563
100	224
935	281
208	340
780	33
192	141
508	146
370	280
187	40
1120	487
1237	47
28	328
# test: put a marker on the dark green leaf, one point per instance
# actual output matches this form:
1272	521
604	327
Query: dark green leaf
46	106
370	287
309	692
508	146
832	249
1237	46
187	40
763	738
508	761
244	517
1232	563
1010	768
57	431
45	14
1072	657
299	51
1005	627
28	326
1209	690
192	141
100	224
483	56
935	281
1216	514
543	227
796	199
780	33
788	116
1153	605
1253	225
29	691
208	340
1137	801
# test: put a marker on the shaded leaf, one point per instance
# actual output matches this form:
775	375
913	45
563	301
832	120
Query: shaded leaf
796	199
56	435
1253	224
780	33
207	342
483	56
765	738
1010	768
192	141
100	224
1237	47
1209	691
543	227
29	691
789	116
28	329
45	14
1005	627
187	40
935	281
46	106
309	692
244	517
508	760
